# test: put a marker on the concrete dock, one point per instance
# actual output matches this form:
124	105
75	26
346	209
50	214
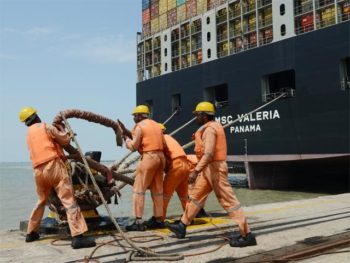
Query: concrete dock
281	229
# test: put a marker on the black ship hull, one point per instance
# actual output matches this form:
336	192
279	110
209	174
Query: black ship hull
302	130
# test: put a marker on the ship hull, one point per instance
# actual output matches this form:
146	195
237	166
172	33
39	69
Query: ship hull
314	124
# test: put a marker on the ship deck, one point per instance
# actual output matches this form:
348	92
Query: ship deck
281	228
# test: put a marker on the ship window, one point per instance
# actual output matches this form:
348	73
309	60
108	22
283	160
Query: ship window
165	38
165	52
275	84
208	36
209	53
208	20
149	103
175	102
166	67
282	9
345	73
217	94
283	30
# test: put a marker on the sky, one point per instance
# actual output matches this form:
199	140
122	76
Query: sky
63	54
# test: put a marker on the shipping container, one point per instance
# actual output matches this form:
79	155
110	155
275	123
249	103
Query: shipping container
146	29
180	2
163	6
172	17
145	4
201	6
181	13
154	10
146	16
163	21
191	8
155	25
171	4
307	23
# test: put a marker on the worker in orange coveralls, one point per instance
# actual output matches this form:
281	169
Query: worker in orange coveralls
177	171
45	147
147	138
210	174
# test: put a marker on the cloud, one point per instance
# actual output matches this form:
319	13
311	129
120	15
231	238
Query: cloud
39	32
107	49
6	57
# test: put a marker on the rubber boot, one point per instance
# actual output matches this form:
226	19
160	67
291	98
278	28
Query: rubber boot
248	240
179	229
201	213
82	242
32	237
152	223
136	226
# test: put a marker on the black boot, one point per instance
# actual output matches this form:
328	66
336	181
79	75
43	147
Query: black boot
32	237
152	223
82	242
248	240
178	228
201	213
136	226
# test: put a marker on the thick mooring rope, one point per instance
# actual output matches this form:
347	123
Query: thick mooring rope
141	252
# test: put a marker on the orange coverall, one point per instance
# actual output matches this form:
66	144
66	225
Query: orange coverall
52	174
149	172
178	169
213	177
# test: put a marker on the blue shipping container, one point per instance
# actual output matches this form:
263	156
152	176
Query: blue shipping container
180	2
145	4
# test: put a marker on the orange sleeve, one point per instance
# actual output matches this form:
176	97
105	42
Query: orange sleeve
209	140
134	143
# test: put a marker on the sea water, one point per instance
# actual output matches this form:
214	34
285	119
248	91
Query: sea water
18	197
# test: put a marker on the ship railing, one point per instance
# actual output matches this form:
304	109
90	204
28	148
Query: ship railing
221	18
248	7
223	53
265	40
262	3
236	50
195	47
234	13
221	37
322	3
304	29
326	22
289	93
344	17
196	28
265	22
345	83
250	45
304	8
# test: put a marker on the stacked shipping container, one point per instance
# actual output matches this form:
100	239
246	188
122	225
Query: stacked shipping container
158	15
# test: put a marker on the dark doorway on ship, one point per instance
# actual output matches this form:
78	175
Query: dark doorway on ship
325	175
217	94
274	84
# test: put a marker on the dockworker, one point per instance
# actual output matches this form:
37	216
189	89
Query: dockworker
147	138
45	144
210	174
176	172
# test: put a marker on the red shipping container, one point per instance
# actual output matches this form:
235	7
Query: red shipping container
307	23
146	16
154	10
252	38
172	17
191	8
268	33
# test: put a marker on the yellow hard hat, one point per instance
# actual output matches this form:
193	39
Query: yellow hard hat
142	109
25	113
206	107
162	126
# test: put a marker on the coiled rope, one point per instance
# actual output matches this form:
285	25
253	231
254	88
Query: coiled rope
142	252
